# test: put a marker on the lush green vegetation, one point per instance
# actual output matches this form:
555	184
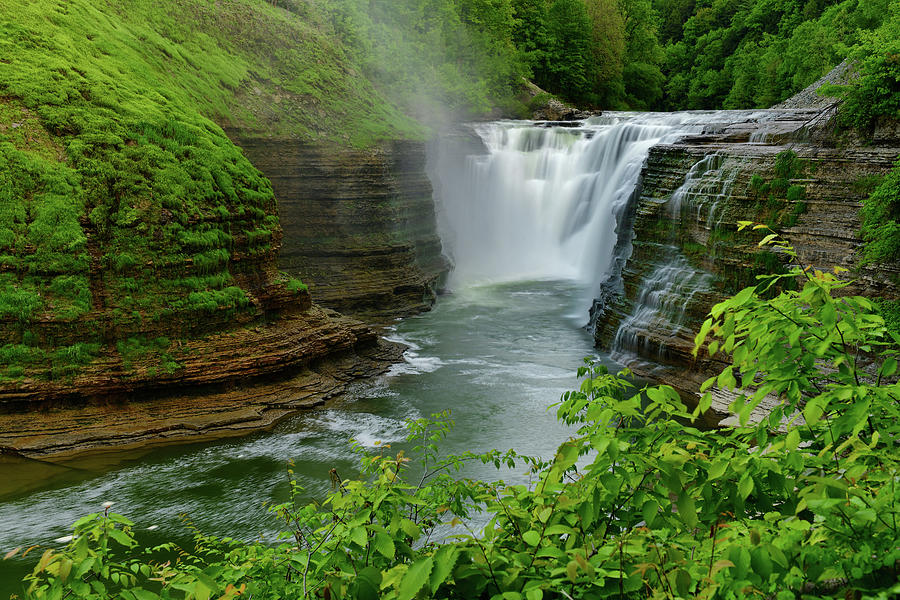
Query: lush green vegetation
639	503
738	55
120	203
881	220
707	53
780	202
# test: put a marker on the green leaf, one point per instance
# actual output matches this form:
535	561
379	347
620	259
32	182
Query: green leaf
813	412
359	536
683	582
367	584
649	511
532	538
142	594
745	485
792	439
122	537
444	561
701	335
568	454
116	518
741	297
687	510
415	578
534	594
767	239
889	367
717	469
384	545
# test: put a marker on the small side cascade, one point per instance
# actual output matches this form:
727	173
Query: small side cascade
669	289
661	305
707	184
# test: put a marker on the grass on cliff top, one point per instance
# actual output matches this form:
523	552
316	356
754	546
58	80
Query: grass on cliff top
119	201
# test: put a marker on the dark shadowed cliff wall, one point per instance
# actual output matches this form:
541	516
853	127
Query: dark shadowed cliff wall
359	225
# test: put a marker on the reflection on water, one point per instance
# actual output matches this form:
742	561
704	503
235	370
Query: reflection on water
496	355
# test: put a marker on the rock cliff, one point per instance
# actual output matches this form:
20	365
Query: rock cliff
139	246
790	172
359	225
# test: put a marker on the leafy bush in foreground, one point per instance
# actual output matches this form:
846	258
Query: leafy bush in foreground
640	503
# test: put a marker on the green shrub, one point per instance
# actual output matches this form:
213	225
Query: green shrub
796	193
890	311
123	261
881	220
17	302
756	183
75	288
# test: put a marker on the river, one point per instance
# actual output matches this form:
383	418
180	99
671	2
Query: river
495	355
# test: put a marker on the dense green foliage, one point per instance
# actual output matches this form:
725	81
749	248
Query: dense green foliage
877	93
881	220
677	54
638	503
755	54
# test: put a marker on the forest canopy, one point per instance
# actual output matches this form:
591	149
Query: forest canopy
616	54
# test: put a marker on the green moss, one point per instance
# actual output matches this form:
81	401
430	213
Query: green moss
296	286
153	354
890	310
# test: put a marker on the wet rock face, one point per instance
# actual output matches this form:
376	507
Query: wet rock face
359	225
822	223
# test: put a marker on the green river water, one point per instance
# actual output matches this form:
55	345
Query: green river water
496	355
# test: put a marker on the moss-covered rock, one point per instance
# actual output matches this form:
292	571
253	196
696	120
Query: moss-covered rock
126	214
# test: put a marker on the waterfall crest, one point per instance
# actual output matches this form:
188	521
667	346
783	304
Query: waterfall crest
544	202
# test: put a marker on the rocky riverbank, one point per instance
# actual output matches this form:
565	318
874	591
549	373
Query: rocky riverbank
229	384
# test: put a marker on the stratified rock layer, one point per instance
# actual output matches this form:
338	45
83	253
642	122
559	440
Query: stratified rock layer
359	225
825	231
228	384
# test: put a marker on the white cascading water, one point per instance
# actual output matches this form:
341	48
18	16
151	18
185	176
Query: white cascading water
668	290
544	202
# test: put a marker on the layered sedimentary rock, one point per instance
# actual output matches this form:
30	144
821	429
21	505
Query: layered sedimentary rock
359	225
225	384
684	227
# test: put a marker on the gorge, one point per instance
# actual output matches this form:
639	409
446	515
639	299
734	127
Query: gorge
629	215
520	299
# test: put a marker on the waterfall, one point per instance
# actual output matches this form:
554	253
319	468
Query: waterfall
544	202
523	200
